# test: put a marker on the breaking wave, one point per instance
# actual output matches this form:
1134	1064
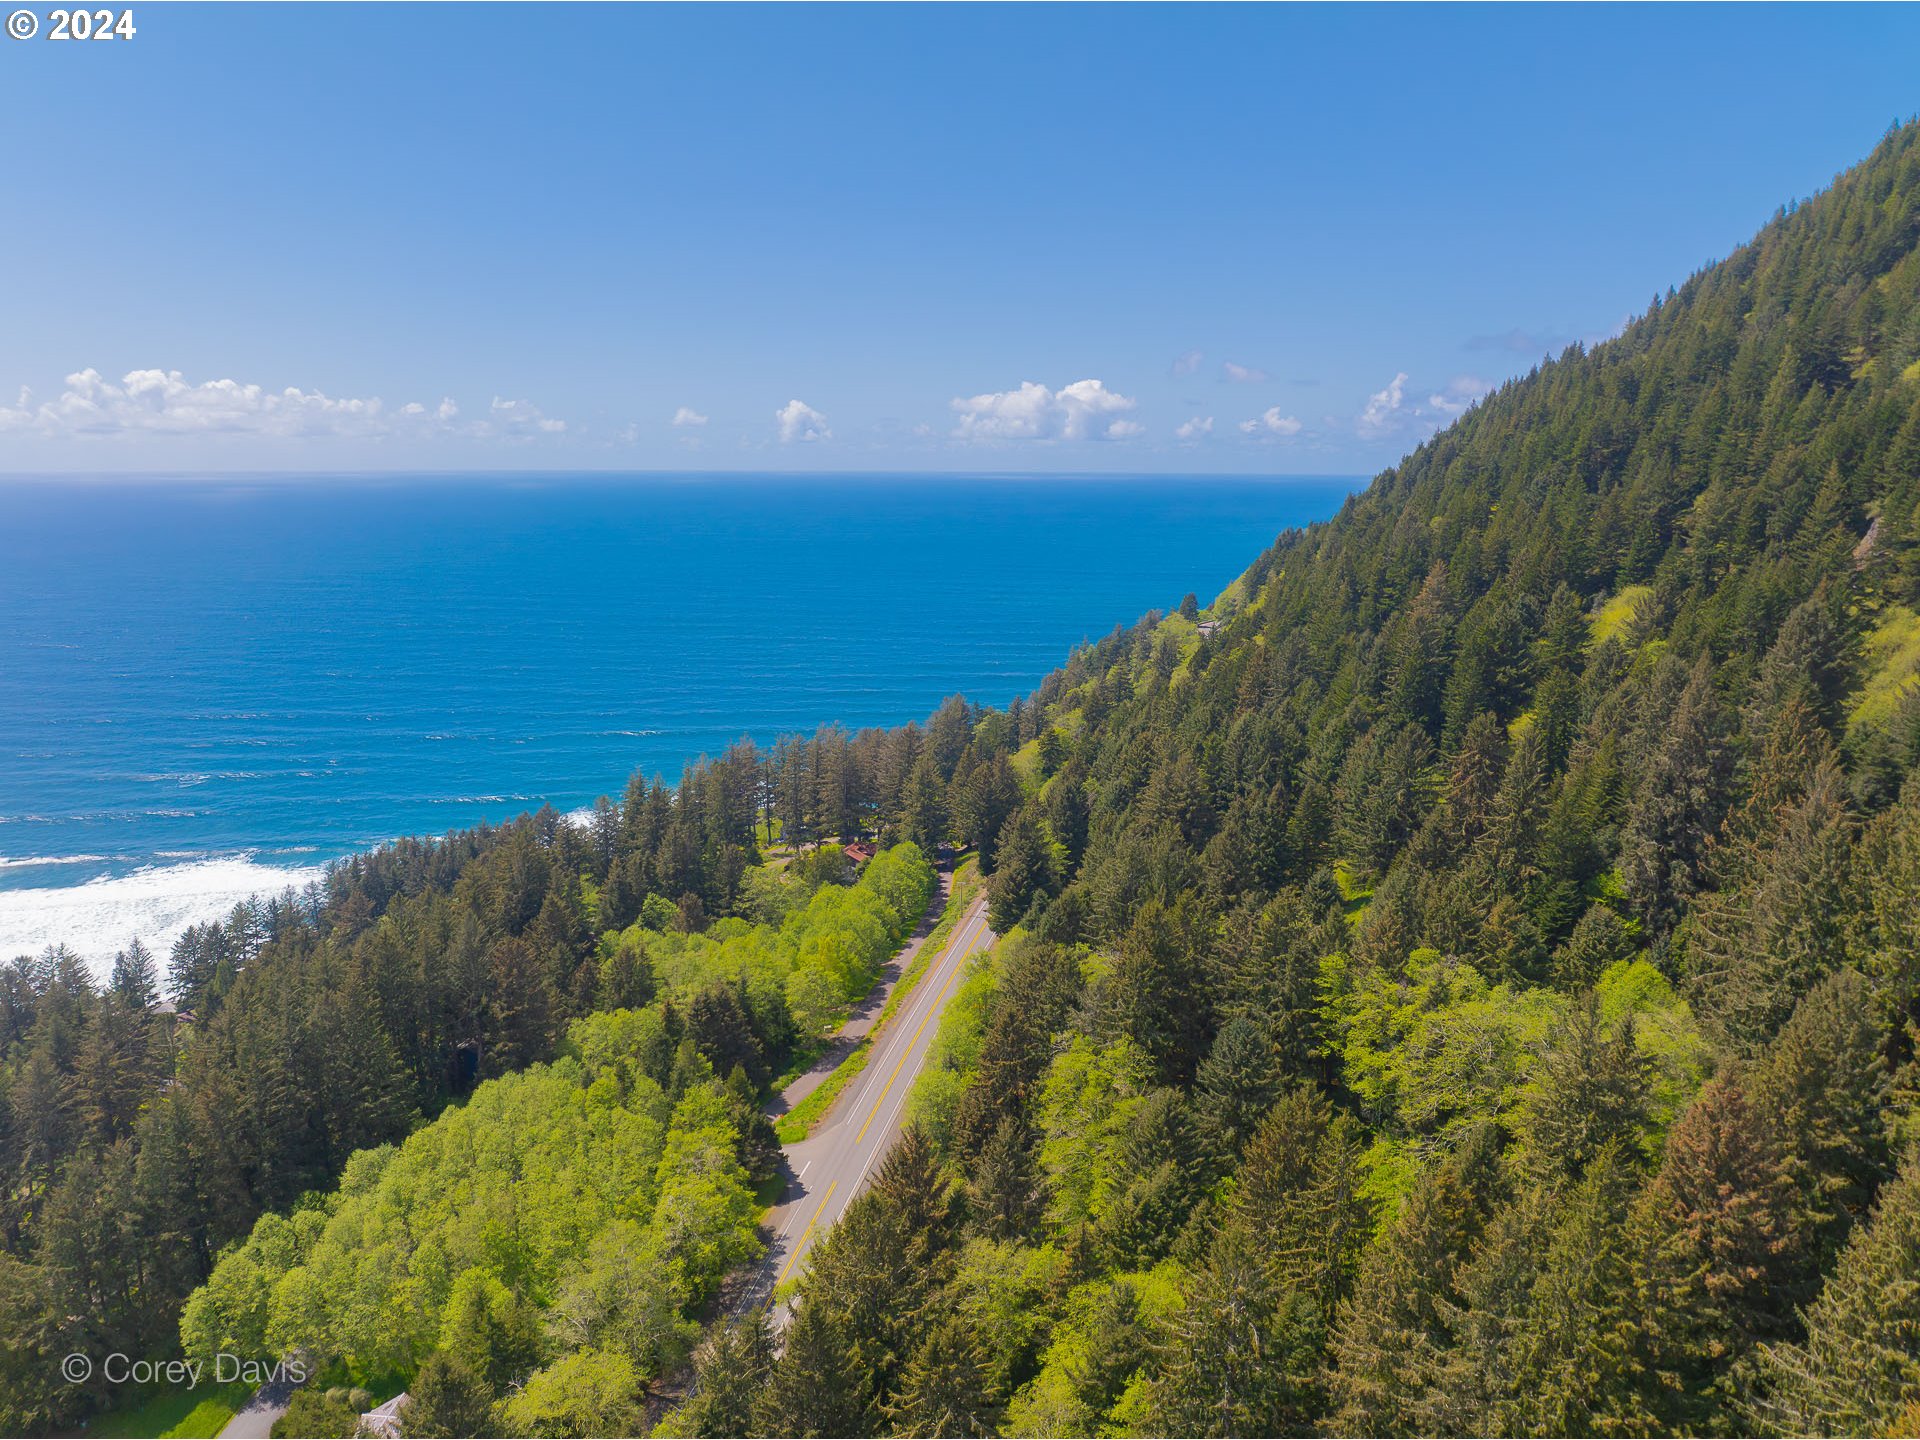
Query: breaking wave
155	902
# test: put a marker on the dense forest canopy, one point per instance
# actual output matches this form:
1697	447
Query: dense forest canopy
575	1214
1467	980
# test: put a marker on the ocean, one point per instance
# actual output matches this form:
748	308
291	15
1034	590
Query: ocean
210	688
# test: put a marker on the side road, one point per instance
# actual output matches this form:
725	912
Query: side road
826	1170
867	1013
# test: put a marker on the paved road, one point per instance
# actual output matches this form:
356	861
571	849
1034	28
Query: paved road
828	1168
867	1011
254	1420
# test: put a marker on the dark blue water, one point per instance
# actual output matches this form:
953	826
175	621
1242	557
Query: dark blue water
201	683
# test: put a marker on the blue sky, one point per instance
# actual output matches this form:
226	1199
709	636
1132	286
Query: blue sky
1181	239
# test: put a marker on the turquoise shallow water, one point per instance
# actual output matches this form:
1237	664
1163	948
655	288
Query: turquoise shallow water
206	683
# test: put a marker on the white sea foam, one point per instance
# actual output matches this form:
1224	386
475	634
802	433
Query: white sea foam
156	903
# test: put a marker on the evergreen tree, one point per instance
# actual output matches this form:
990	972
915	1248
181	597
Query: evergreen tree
1782	928
34	1398
447	1399
1068	817
491	1331
201	957
1006	1195
1474	777
821	1385
1242	1357
1238	1080
924	812
1020	872
1679	800
1807	663
1858	1368
1544	1339
912	1182
1591	1093
1508	851
718	1024
136	977
863	1302
1383	793
334	1411
1160	985
1300	1197
1393	1335
1717	1244
731	1366
519	1006
946	1386
1038	983
1888	920
1599	940
980	802
626	977
1823	1088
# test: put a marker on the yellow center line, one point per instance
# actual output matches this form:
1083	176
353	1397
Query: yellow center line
801	1243
963	939
907	1049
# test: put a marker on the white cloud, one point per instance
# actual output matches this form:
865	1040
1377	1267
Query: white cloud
1242	374
1188	363
687	415
519	418
1023	414
800	421
1272	422
1084	410
166	403
1382	405
1460	394
1196	427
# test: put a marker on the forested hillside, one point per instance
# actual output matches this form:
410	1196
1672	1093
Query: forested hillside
559	1228
1472	987
316	1032
1464	982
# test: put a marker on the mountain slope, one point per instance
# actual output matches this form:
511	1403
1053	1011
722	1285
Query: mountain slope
1471	989
1465	982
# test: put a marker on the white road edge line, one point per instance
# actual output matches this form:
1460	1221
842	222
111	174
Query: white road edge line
958	950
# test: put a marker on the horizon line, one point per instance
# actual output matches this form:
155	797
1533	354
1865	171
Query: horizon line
1267	477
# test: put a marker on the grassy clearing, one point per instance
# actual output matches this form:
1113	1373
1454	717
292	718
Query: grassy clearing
174	1414
1357	896
1231	600
1893	655
1026	762
1185	635
1617	614
798	1122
